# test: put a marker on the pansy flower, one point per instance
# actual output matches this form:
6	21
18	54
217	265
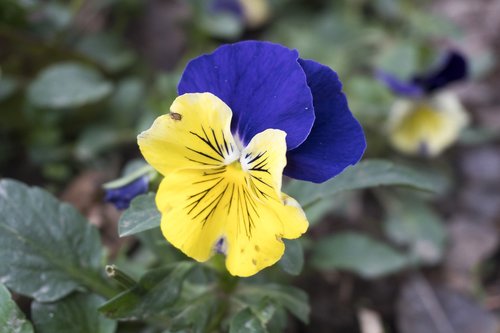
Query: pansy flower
427	119
247	114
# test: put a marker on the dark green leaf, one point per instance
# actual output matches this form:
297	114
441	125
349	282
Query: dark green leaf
107	50
196	312
369	173
140	216
67	85
8	86
357	253
156	291
292	299
99	138
12	320
48	249
246	321
77	313
292	261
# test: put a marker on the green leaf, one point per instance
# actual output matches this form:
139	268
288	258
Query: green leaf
246	321
222	26
12	320
401	58
412	222
77	313
357	253
107	50
292	261
292	299
48	249
140	216
67	85
198	309
368	173
8	86
156	291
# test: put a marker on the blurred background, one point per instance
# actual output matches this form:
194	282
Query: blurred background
80	79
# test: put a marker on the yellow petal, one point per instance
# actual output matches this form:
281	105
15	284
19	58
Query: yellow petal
237	208
195	135
428	126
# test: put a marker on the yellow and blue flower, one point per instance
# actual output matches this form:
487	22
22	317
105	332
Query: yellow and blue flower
427	119
247	114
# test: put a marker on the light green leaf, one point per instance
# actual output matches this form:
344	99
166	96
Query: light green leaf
292	299
156	290
368	173
48	249
12	320
292	261
246	321
77	313
67	85
140	216
357	253
412	222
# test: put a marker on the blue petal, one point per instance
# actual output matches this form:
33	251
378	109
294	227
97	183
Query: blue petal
121	196
261	82
399	87
336	140
452	68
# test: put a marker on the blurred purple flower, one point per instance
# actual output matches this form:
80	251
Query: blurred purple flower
122	196
453	67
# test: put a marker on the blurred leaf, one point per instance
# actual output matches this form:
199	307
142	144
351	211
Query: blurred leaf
291	298
143	170
369	100
246	321
142	215
292	261
357	253
97	139
157	290
12	320
400	59
225	26
48	249
368	173
8	86
412	222
107	50
67	85
125	103
427	25
76	313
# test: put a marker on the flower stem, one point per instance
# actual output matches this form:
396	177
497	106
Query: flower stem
123	279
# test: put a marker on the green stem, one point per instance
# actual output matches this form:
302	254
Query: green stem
97	284
123	279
